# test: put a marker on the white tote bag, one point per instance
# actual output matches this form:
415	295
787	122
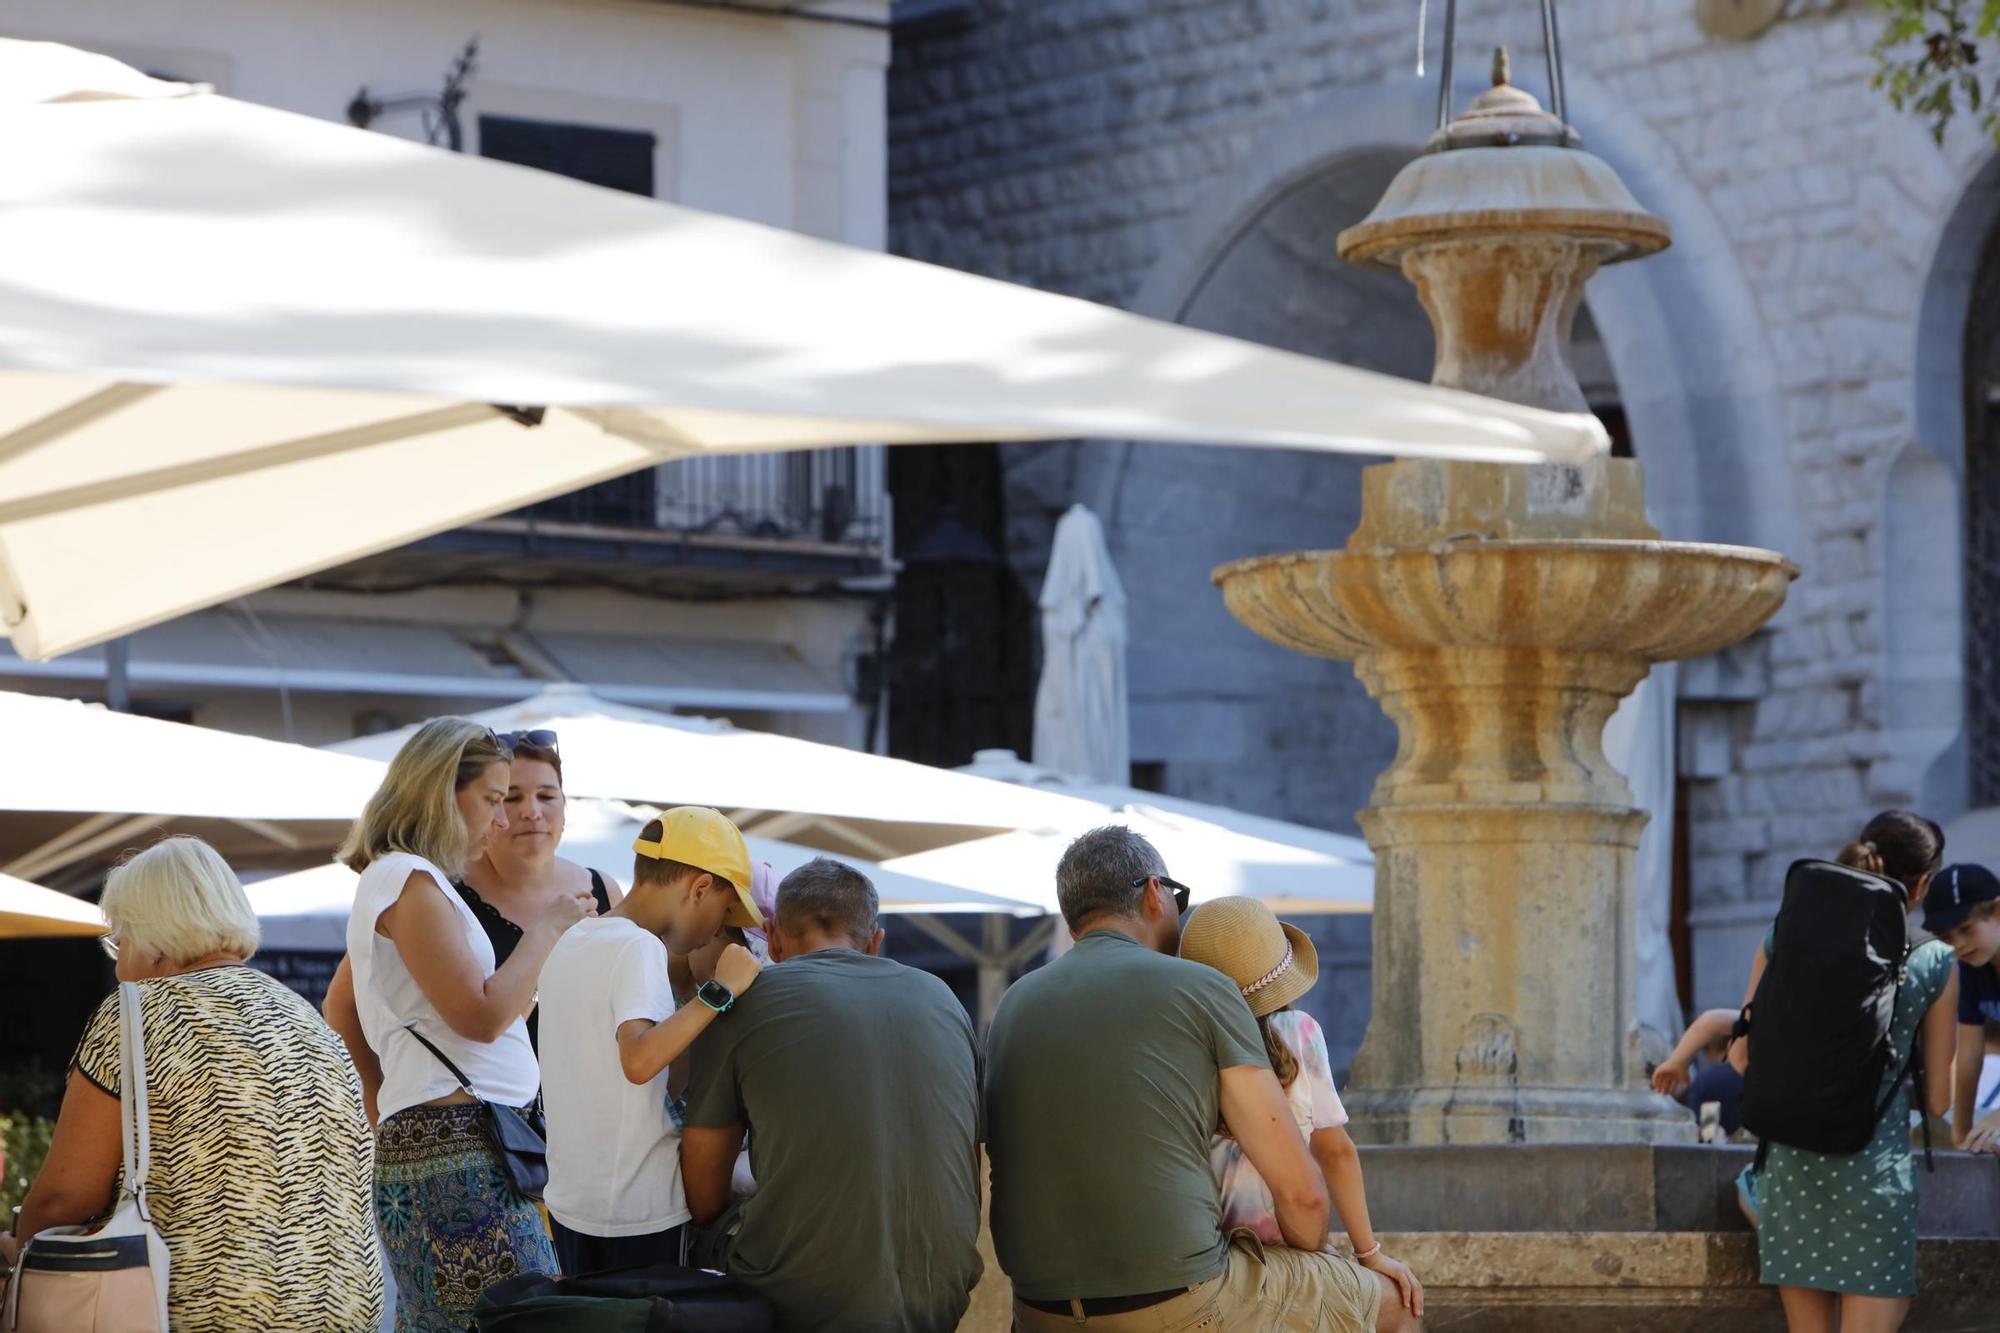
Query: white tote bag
113	1279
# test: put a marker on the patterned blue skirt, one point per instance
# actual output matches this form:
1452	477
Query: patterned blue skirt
451	1221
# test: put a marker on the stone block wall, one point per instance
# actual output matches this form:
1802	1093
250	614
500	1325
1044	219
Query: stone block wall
1076	145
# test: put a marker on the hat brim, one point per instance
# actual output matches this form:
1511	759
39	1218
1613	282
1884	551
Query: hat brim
1299	978
1936	923
743	913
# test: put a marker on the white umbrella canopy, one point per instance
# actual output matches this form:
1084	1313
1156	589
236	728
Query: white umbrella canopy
88	759
1006	766
1082	722
1213	861
123	777
308	909
29	911
239	345
844	801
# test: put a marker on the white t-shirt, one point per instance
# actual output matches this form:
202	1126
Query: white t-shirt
389	998
614	1149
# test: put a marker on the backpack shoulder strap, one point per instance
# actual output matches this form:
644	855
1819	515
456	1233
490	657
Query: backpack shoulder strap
1912	1071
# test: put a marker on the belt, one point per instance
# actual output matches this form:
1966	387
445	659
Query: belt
1106	1305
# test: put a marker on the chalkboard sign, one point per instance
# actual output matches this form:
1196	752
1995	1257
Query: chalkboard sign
308	972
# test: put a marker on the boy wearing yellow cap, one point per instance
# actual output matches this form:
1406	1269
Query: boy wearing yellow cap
610	1029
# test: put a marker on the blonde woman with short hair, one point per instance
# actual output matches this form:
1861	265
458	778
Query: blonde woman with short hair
262	1165
451	1220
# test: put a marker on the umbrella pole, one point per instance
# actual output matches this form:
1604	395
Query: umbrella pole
991	961
995	970
996	960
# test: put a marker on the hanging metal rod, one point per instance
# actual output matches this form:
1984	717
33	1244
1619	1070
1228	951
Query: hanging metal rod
1445	65
1552	39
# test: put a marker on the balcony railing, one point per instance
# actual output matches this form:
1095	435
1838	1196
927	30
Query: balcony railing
827	497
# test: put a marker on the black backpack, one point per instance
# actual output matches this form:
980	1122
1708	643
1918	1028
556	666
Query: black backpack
1819	1024
663	1298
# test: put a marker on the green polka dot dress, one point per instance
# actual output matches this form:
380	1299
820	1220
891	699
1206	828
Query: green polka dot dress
1848	1222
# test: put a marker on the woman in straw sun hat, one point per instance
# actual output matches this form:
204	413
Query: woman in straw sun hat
1273	965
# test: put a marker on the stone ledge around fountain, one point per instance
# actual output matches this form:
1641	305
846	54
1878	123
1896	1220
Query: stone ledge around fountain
1658	1282
1563	1238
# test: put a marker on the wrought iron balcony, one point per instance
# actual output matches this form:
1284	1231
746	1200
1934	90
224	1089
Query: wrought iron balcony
826	497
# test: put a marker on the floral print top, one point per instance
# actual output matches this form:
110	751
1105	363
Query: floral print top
1246	1199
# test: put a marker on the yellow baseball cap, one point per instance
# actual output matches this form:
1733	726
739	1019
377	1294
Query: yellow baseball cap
705	839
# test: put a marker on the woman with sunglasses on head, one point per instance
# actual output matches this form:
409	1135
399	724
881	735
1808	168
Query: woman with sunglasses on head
508	885
446	1018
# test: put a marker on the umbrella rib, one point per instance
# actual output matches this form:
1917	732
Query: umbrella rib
67	420
42	861
1037	940
246	461
948	937
271	832
75	833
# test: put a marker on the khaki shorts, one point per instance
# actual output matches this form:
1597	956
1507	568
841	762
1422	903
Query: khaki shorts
1285	1291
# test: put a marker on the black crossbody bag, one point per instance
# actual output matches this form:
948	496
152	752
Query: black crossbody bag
520	1135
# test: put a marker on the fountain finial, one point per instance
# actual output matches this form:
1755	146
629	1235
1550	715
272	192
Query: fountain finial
1503	67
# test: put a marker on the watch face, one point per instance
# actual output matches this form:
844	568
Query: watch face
715	995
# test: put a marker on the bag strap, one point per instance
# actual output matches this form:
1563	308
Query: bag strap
134	1106
443	1059
1912	1071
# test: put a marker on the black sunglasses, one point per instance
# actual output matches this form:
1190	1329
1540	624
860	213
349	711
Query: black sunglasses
1181	891
541	740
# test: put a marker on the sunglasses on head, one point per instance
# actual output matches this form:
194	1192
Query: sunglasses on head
1182	893
540	739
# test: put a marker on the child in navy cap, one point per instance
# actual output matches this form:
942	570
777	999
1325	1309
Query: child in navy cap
1963	910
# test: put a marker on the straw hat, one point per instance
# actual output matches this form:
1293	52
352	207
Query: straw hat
1271	963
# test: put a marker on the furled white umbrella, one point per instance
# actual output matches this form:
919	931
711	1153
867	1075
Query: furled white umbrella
308	909
843	801
1639	741
1082	722
239	345
29	911
123	776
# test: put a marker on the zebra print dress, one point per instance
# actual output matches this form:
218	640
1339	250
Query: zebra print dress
263	1164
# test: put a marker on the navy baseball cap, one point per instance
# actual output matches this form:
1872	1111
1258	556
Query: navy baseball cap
1954	893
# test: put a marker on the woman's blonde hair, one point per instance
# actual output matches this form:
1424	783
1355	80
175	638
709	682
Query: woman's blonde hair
415	810
180	899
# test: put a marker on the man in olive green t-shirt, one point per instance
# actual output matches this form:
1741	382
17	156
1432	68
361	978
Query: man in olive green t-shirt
858	1081
1107	1073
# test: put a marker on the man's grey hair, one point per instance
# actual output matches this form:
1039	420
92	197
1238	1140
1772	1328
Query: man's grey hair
831	896
1096	873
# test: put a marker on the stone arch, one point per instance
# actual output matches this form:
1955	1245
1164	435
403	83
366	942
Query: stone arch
1924	520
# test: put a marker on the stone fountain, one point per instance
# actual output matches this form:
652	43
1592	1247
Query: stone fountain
1499	613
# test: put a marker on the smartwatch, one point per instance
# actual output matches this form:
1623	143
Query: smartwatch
715	995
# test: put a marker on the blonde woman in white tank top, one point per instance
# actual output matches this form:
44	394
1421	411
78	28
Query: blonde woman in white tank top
450	1221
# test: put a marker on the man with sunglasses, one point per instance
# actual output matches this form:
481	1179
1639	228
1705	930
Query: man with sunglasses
1106	1074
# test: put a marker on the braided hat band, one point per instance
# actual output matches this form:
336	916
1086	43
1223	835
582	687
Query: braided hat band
1284	966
